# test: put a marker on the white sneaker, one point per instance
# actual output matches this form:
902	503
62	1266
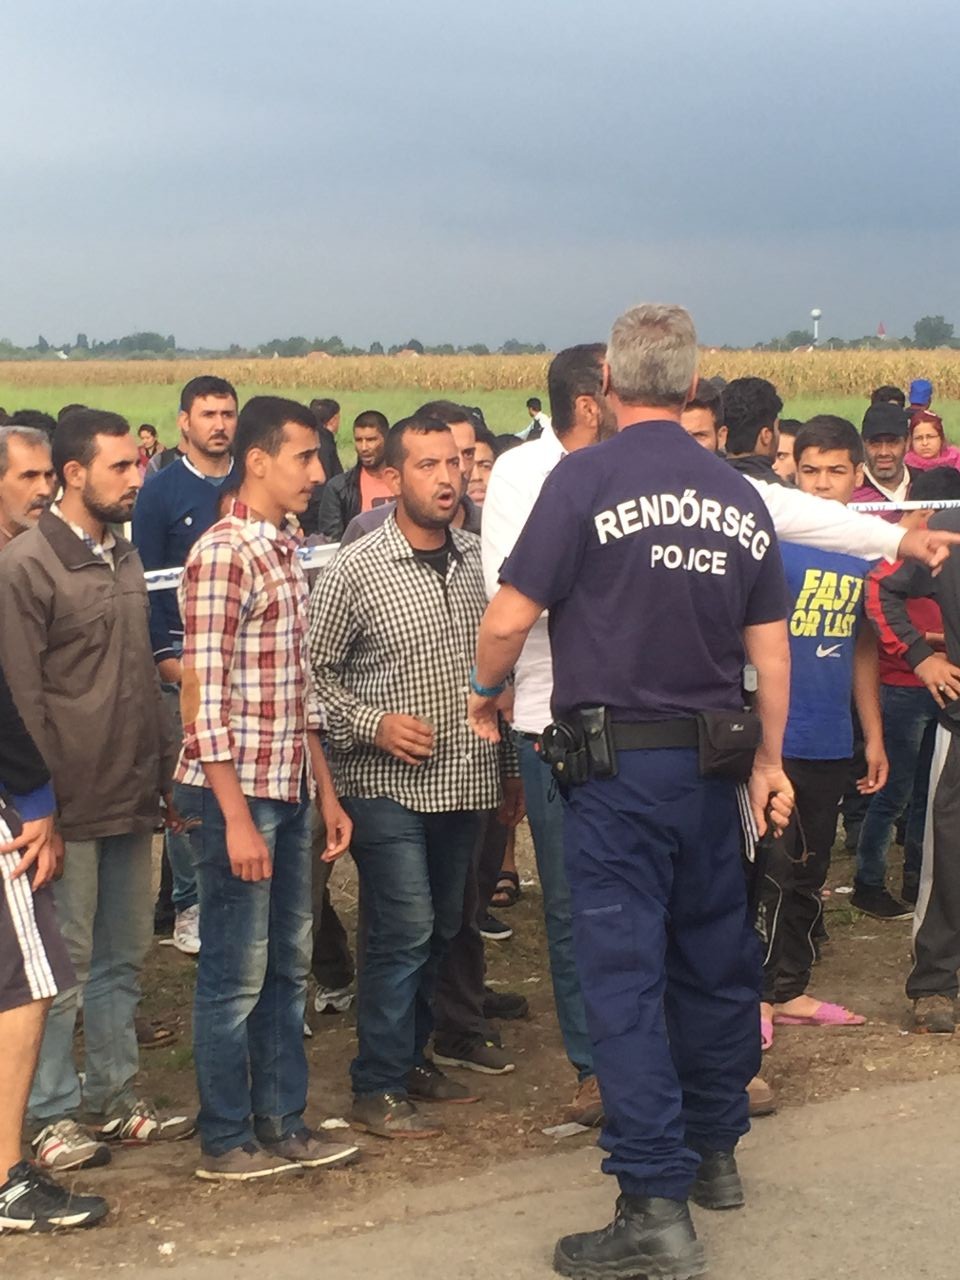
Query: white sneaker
67	1145
186	931
333	1001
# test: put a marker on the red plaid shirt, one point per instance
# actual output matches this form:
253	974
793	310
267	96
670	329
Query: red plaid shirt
247	693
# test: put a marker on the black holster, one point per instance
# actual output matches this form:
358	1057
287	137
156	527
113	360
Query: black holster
580	748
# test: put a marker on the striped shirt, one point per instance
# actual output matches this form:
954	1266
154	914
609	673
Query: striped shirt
388	635
246	694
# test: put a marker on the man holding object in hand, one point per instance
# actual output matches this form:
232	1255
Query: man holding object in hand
660	568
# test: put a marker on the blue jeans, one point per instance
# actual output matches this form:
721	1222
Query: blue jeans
178	848
909	729
545	815
106	917
251	977
413	872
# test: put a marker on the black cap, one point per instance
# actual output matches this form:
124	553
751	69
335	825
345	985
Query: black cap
885	420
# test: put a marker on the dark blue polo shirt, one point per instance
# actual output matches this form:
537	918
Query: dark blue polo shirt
652	555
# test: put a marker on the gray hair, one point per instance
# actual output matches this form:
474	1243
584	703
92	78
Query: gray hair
29	435
652	355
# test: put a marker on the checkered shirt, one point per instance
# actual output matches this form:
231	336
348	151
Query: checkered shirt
388	635
102	550
247	695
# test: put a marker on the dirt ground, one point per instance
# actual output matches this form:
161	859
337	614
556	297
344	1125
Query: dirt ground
155	1200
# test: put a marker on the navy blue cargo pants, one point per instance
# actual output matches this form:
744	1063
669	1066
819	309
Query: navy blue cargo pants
668	962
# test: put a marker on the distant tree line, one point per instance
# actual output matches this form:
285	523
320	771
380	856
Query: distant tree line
157	346
928	332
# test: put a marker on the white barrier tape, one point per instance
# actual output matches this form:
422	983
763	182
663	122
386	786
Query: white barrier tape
309	557
934	504
317	557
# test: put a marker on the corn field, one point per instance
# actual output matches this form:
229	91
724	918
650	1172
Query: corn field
794	373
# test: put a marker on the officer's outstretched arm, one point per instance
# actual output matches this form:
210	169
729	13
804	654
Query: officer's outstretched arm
768	649
503	631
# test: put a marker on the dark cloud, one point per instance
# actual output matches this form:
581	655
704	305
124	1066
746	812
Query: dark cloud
231	171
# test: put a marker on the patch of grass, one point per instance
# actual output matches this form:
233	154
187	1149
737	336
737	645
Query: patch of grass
505	411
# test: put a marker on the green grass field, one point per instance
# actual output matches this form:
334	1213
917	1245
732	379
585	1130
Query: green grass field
505	411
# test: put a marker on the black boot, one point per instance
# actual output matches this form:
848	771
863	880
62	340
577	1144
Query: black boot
649	1236
717	1184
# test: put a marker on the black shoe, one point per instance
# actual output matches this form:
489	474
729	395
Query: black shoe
649	1236
493	929
429	1084
486	1056
717	1184
874	900
505	1005
910	889
32	1201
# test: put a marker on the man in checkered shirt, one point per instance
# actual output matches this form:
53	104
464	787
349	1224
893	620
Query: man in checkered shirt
251	760
393	623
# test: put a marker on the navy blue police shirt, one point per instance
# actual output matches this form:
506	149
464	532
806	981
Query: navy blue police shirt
652	555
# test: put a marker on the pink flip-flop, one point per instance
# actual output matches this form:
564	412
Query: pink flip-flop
766	1034
827	1015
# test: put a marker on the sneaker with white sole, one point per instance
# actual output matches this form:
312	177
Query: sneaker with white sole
476	1055
244	1164
494	930
140	1125
312	1150
65	1145
32	1201
338	1001
186	930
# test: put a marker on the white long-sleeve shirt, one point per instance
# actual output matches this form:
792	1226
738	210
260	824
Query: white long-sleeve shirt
814	522
515	484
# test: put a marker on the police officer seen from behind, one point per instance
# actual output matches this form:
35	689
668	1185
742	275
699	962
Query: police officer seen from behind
661	571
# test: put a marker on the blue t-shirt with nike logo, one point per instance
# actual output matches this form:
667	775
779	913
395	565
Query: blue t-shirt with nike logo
826	594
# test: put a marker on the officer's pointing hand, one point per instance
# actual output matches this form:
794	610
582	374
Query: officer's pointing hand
482	717
770	789
930	546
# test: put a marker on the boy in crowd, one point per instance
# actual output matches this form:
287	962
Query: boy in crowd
909	729
250	758
833	655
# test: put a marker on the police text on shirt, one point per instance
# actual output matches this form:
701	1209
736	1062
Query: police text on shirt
690	511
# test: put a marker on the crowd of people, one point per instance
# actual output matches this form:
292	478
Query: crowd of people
405	703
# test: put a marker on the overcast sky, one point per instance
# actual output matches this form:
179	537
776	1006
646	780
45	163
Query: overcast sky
511	168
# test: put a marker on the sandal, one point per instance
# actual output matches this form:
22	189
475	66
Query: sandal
825	1015
507	892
